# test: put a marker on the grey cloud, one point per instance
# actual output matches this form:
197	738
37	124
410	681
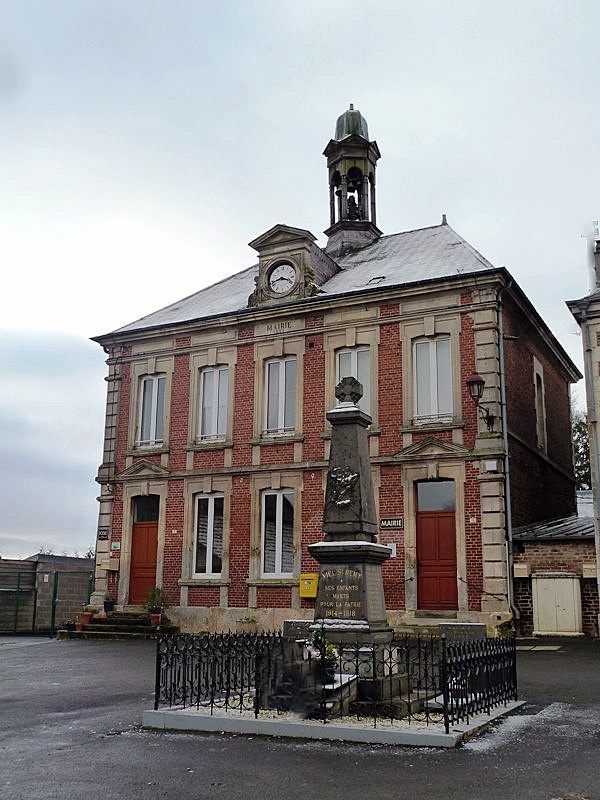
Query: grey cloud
51	441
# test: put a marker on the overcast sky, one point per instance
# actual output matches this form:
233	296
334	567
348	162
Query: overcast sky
144	143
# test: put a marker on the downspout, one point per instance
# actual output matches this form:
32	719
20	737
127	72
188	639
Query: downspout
590	398
507	501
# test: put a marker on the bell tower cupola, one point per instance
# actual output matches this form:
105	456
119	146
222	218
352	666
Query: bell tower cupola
351	164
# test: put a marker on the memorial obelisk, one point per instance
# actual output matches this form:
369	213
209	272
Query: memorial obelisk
350	603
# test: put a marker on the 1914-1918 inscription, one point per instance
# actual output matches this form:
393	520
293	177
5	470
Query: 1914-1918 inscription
341	593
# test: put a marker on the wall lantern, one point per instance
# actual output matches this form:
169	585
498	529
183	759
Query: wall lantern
475	386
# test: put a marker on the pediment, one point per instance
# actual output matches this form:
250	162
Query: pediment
281	234
144	469
431	447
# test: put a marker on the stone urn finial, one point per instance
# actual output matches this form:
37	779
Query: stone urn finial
349	390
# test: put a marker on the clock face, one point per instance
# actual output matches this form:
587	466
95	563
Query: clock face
282	277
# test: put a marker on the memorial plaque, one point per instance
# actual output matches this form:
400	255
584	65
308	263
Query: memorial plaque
341	593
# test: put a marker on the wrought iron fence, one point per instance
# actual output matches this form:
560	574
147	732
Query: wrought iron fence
412	678
477	676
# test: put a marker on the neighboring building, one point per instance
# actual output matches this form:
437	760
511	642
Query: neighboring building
216	443
41	592
555	577
587	313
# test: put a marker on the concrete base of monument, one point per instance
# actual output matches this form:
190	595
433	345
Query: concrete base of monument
350	600
269	723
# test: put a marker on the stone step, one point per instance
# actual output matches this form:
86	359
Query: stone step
108	627
138	618
103	635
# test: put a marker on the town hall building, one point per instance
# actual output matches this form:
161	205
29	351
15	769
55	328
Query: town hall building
216	439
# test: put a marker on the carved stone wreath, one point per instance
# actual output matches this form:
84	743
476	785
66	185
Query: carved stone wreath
340	485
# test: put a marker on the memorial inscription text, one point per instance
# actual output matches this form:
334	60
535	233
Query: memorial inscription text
341	595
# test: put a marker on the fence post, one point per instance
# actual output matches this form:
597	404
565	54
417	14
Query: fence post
54	602
258	656
90	585
157	671
514	664
444	680
18	593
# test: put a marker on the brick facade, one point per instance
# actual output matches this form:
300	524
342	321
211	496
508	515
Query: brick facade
447	451
534	465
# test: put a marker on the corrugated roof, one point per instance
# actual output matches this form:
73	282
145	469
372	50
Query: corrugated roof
566	528
401	258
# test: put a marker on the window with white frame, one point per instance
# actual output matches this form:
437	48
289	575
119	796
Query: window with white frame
355	362
432	365
280	394
208	556
212	411
152	410
277	516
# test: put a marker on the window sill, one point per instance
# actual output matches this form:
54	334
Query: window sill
273	582
148	450
210	444
203	582
283	439
432	425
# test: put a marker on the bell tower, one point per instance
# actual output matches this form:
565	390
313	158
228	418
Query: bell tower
351	164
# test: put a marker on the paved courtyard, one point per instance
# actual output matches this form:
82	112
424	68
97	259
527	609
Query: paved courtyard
70	716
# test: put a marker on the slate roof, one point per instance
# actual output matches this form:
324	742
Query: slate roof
394	260
564	529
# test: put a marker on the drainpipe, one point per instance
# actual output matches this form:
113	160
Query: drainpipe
590	399
507	502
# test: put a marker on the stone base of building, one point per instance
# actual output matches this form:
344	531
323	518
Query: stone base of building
196	619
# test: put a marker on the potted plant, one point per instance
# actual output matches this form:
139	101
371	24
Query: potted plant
69	625
109	603
156	602
85	616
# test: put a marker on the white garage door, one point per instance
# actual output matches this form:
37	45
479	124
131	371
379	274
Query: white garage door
556	603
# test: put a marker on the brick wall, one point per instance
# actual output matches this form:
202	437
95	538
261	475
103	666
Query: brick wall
243	415
72	594
530	466
391	504
239	542
390	394
473	538
314	410
557	556
180	410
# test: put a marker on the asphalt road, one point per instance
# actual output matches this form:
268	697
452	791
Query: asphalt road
70	716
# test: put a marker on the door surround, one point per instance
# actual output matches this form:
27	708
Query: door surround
433	470
131	490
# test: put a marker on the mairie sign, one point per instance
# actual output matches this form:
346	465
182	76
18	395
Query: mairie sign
391	522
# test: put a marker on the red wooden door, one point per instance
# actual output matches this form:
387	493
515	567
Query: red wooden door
144	543
436	561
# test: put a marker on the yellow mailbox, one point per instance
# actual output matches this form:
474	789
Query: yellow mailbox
308	584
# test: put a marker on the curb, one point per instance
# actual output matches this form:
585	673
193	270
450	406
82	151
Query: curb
192	720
